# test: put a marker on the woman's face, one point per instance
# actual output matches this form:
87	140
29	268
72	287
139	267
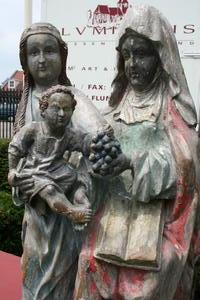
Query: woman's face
140	61
43	58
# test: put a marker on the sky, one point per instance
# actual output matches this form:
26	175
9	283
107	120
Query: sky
11	27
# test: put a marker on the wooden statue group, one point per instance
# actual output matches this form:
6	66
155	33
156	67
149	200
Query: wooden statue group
111	200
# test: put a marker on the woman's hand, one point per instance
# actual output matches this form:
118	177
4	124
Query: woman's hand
12	177
113	168
119	165
24	181
105	149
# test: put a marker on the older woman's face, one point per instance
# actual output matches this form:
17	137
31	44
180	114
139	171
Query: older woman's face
43	58
140	62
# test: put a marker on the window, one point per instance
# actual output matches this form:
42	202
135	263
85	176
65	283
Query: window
11	84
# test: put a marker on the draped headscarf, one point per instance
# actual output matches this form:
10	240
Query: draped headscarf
148	22
37	28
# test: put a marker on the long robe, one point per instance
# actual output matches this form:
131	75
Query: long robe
180	247
50	244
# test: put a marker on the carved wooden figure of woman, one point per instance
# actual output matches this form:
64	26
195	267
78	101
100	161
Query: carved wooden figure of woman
50	244
154	119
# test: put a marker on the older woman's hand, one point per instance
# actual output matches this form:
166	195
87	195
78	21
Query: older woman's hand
110	166
119	165
105	149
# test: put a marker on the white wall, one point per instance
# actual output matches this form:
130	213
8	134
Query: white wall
91	61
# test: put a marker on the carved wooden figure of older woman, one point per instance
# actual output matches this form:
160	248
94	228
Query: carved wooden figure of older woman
50	243
147	239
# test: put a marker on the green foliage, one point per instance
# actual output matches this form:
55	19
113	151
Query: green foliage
10	216
10	225
4	165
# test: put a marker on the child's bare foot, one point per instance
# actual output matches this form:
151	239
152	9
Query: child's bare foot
80	214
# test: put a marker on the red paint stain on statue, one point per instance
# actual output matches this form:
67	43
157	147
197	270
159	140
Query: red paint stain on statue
93	228
92	267
131	282
138	277
92	288
106	278
177	228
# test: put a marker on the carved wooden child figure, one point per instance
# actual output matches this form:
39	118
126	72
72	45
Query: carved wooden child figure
36	153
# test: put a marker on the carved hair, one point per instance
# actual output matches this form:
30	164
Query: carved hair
120	82
56	89
37	28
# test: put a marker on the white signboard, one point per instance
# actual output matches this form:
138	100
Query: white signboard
90	29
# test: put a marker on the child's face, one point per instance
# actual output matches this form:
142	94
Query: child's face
59	110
